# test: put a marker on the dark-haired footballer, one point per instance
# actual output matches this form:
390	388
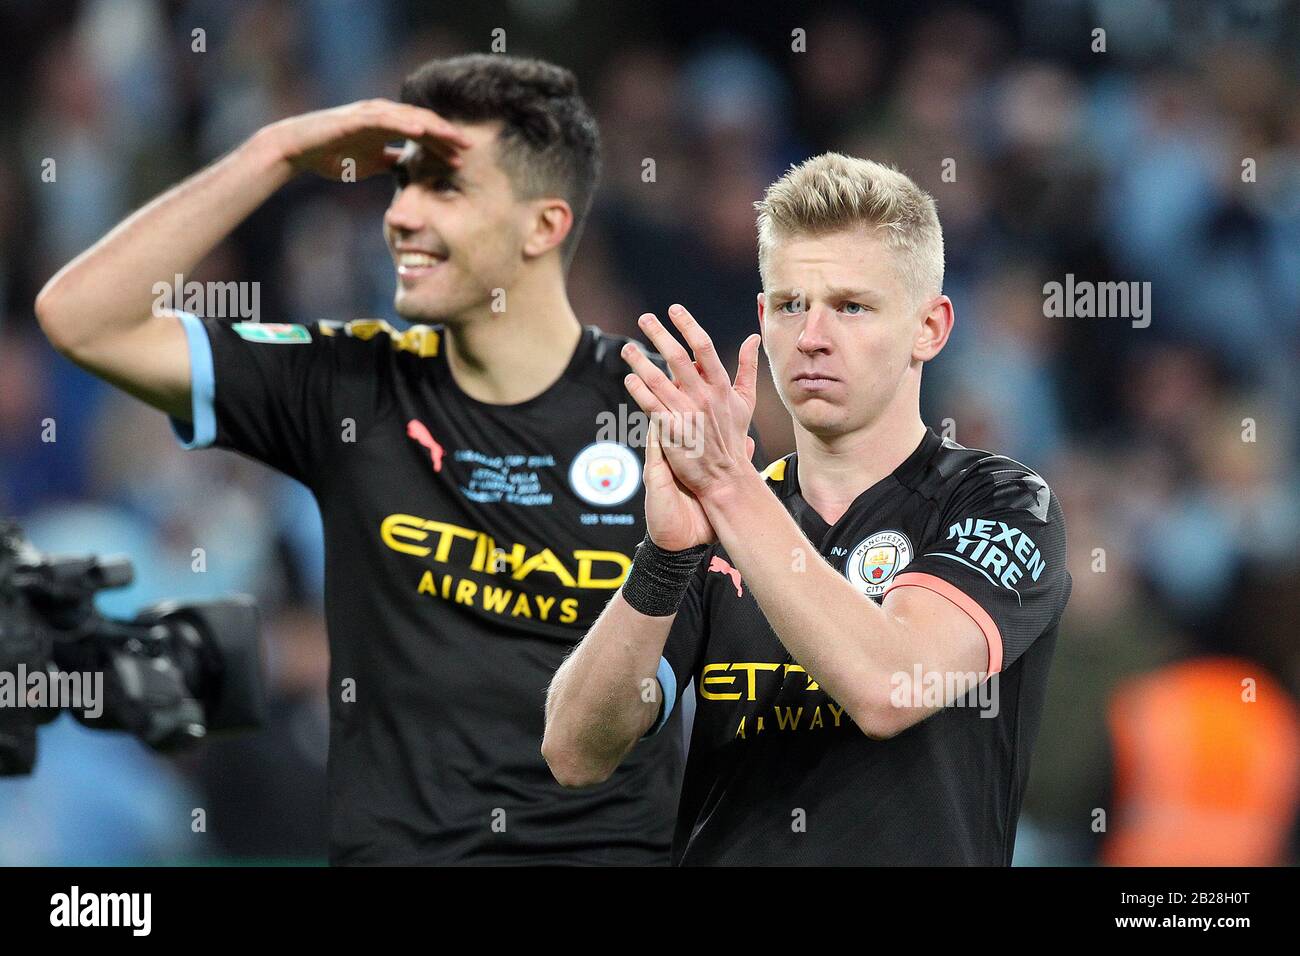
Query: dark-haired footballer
475	521
870	622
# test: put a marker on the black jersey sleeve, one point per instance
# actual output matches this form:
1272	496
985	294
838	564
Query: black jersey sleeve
998	554
686	639
286	395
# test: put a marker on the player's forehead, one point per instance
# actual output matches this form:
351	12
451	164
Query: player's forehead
819	265
479	160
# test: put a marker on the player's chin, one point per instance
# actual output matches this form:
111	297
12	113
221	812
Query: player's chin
821	417
419	307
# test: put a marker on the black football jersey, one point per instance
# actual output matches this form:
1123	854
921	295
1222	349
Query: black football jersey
468	547
778	773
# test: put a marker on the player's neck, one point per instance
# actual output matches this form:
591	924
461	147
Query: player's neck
516	354
833	471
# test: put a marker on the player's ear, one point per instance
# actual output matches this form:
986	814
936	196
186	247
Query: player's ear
550	225
936	326
762	310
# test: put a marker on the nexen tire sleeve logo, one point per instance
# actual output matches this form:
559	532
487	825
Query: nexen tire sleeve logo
877	559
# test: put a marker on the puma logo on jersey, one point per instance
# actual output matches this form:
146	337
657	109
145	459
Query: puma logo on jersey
415	429
717	564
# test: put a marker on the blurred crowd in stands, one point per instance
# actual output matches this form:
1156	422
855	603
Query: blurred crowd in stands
1173	157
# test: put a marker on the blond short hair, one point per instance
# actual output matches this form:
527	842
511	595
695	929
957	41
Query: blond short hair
832	191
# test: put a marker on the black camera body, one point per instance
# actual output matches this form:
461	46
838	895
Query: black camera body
169	676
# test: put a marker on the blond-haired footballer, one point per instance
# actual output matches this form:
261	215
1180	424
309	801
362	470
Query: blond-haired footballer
870	621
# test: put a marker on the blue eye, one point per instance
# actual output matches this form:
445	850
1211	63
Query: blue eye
854	308
793	307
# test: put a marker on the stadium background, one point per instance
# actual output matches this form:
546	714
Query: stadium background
1125	165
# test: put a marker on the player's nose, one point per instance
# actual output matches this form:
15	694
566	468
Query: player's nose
814	336
403	213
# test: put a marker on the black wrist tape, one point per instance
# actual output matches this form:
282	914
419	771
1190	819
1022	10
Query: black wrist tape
657	579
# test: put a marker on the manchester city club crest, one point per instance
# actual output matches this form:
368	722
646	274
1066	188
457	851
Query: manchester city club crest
605	473
875	561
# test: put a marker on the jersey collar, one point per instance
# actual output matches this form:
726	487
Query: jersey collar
783	477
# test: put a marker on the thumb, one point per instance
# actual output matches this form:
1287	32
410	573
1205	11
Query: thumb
749	447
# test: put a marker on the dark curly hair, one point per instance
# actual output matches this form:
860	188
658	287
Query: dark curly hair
548	145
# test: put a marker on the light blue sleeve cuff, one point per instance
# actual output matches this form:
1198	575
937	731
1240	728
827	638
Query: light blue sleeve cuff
668	684
202	430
